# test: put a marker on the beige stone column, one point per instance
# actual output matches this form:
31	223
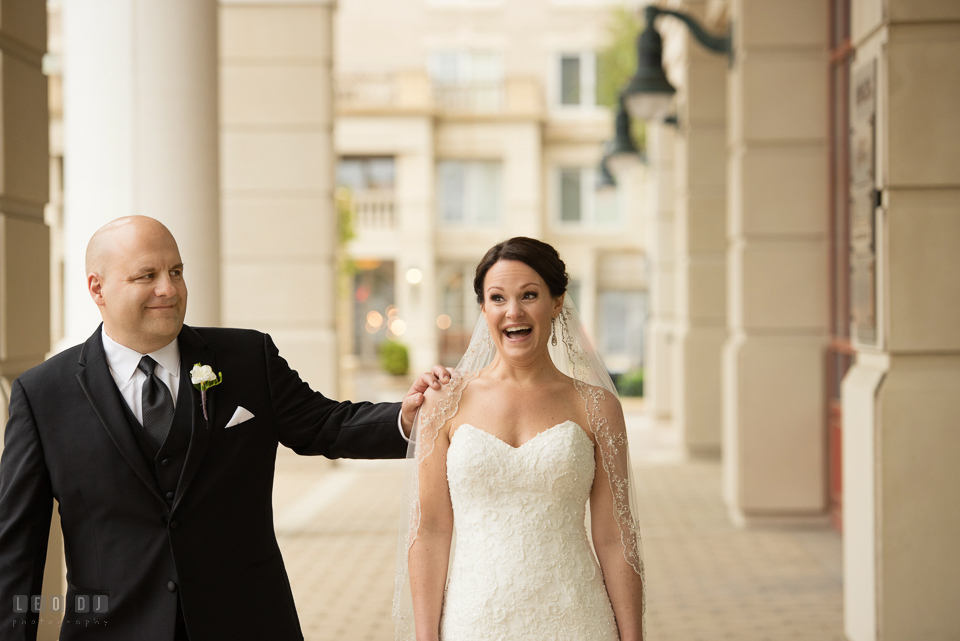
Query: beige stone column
522	179
700	237
140	137
777	262
901	399
279	221
417	227
24	238
661	339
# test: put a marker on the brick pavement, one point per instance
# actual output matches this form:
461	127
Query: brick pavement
707	580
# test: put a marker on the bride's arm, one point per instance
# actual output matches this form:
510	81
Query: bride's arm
430	553
624	585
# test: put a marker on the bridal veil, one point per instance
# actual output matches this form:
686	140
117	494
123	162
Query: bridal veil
574	356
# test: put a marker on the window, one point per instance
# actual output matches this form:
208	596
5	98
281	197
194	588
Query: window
370	180
577	79
373	297
580	203
468	192
458	310
622	318
363	173
467	80
571	194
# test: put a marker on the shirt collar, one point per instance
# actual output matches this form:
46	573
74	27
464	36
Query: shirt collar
123	360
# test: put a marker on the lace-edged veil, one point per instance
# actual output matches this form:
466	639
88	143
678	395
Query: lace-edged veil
574	356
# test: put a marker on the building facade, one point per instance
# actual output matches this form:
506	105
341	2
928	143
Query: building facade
797	226
461	124
806	288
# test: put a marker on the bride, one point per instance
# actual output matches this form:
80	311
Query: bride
493	543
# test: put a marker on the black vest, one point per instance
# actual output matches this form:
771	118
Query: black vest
168	458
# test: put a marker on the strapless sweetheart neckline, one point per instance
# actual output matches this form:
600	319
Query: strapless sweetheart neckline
530	440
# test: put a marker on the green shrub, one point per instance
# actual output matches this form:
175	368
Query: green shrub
394	358
630	383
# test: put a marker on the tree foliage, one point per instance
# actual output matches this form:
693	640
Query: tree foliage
617	62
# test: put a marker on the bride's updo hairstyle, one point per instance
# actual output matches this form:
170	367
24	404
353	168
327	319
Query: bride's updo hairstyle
538	255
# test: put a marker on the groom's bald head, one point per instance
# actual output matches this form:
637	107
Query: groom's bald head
114	239
135	276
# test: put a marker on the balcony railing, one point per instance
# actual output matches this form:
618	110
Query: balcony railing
408	91
470	97
374	209
366	90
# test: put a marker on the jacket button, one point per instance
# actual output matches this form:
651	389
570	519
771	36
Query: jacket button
171	586
165	462
169	496
174	525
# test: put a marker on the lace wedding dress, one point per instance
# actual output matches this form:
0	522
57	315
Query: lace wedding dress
522	566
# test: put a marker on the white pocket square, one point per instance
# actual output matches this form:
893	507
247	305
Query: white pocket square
242	414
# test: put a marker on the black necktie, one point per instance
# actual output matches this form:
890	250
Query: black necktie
156	402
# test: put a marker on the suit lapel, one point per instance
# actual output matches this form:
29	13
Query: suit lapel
193	350
101	390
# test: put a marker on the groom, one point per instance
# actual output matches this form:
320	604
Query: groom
165	501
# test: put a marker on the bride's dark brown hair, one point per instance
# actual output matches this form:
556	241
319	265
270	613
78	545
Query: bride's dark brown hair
538	255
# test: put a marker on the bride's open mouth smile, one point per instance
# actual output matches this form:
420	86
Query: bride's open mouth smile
517	332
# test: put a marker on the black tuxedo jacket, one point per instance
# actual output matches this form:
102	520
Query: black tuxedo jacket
213	547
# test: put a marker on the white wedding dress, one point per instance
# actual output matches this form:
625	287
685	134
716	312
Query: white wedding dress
522	566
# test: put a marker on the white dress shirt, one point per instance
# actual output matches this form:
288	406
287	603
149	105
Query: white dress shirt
123	363
400	426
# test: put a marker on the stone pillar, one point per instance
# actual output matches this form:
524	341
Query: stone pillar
659	366
777	262
140	137
416	216
900	399
24	238
522	180
700	237
279	219
53	212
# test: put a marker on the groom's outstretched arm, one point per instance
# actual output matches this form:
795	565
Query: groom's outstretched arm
310	423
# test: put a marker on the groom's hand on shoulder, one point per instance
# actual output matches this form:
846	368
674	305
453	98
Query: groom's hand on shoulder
435	379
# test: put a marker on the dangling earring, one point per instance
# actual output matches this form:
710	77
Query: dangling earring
553	332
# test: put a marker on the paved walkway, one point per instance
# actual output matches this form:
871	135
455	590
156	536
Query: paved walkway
707	580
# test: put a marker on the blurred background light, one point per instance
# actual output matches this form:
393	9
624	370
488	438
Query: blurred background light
414	276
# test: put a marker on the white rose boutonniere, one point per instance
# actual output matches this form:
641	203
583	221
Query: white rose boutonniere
203	378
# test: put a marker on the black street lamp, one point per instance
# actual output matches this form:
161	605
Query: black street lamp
622	152
605	179
649	94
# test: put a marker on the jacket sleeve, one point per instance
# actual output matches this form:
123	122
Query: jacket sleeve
309	423
26	505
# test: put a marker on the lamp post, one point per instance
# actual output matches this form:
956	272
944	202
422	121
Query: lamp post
622	153
605	179
649	94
